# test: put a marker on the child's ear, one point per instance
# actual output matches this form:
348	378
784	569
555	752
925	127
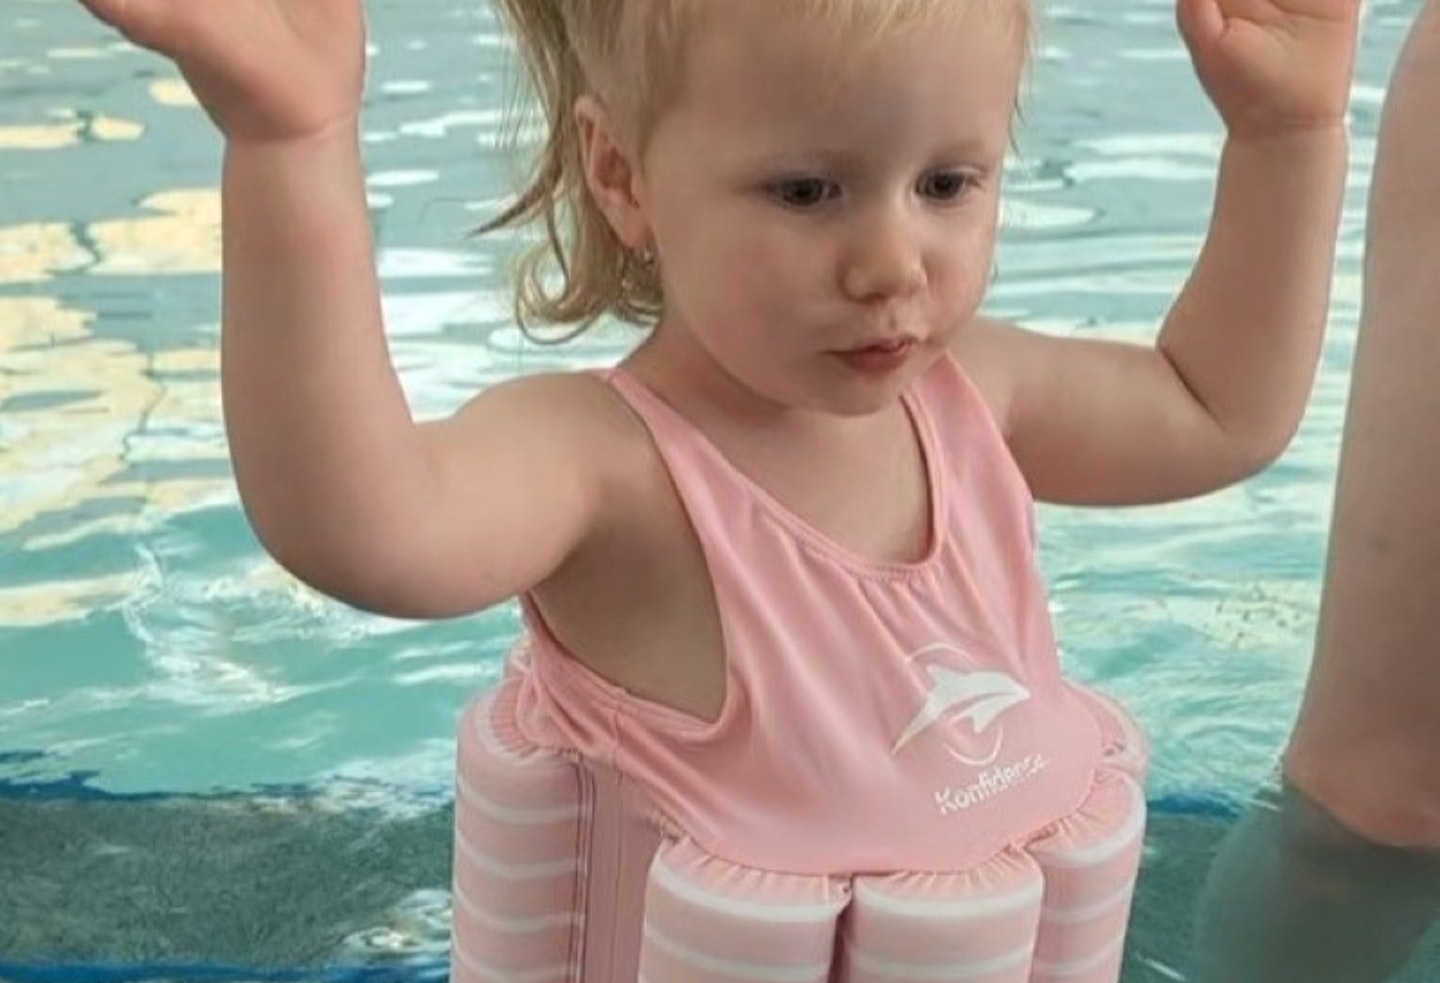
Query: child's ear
612	172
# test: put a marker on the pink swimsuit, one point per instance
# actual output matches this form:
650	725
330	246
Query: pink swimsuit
900	785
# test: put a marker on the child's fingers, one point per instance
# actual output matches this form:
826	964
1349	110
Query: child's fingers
146	22
1200	20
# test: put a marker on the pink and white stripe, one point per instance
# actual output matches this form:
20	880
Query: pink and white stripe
559	878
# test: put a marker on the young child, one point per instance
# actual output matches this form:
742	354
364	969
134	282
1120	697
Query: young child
789	706
1335	875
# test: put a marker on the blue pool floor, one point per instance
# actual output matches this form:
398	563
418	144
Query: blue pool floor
125	890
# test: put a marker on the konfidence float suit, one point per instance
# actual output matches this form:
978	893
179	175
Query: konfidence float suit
900	785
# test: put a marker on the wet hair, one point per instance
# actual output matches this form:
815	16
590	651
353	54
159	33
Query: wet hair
630	54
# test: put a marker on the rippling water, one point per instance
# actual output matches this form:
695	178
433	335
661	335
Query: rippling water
147	645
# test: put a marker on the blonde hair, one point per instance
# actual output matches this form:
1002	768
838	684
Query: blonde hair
629	53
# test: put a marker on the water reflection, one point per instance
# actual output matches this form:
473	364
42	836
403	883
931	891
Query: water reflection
181	237
54	136
33	253
173	92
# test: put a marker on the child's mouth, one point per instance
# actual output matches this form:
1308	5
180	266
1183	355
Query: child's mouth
877	357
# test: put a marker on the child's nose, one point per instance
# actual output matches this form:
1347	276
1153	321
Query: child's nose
884	260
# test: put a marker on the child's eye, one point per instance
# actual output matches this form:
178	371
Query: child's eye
807	192
945	185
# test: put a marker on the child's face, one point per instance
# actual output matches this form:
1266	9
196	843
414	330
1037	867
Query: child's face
807	201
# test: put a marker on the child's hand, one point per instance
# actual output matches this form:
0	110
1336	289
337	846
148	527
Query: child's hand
1274	66
265	70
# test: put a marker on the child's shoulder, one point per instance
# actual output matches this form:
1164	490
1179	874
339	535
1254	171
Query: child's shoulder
524	475
577	409
579	421
986	353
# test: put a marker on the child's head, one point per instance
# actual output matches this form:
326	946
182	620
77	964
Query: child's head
691	113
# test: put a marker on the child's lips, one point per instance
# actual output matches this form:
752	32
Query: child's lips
877	357
881	345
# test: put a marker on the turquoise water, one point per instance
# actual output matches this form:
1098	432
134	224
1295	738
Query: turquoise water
190	740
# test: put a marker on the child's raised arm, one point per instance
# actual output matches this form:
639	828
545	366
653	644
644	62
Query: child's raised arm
1222	392
341	485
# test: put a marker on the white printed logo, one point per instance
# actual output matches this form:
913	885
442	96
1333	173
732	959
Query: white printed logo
980	697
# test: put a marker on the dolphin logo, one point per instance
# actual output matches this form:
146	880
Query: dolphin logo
980	697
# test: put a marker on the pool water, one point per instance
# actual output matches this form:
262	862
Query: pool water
208	771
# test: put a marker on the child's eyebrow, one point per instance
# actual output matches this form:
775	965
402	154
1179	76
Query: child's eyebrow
842	160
